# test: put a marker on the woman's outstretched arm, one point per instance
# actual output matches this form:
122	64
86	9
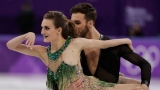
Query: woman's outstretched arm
28	48
91	43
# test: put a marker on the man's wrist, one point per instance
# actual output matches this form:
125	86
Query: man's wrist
145	82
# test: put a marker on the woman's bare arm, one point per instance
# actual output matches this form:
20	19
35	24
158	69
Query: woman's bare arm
91	43
28	48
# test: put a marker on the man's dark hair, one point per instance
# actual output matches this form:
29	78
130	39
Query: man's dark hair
85	8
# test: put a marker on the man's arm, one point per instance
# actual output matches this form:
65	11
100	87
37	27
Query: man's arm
126	80
137	60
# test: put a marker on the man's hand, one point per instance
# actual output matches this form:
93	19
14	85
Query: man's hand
126	80
141	87
77	85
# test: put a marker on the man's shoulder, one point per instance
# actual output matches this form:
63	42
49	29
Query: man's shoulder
103	37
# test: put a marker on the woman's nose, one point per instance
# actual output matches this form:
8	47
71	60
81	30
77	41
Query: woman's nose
42	31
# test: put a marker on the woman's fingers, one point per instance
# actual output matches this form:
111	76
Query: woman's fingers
29	43
30	39
131	47
27	40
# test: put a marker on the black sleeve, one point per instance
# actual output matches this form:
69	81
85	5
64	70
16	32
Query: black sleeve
136	59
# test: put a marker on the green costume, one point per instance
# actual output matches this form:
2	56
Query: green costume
64	74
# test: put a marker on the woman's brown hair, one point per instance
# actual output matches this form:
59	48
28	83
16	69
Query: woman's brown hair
60	20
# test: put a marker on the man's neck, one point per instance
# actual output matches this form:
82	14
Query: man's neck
93	34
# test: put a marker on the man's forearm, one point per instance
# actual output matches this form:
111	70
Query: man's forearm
126	80
146	73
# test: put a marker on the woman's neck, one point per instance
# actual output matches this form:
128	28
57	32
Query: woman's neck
56	45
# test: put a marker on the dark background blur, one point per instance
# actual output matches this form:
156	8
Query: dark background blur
137	19
115	17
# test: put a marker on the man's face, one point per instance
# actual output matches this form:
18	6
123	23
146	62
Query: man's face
80	22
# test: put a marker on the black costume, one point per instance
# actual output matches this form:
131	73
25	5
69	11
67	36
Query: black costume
109	63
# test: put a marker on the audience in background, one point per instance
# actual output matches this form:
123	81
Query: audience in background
135	30
26	18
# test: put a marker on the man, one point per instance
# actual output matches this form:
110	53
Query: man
104	63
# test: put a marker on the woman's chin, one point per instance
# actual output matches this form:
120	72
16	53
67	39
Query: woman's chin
46	40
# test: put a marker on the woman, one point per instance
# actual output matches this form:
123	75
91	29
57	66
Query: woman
63	55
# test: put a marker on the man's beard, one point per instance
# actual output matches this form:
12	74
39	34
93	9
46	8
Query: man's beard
84	32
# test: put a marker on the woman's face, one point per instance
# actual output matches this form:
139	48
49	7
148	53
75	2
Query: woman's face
48	31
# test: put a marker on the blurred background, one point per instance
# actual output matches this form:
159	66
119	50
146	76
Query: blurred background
136	19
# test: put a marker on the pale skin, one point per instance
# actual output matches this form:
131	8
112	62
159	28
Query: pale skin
71	55
81	24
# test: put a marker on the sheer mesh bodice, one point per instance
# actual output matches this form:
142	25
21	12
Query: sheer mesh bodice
61	74
65	74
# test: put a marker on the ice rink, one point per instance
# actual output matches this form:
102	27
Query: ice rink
37	82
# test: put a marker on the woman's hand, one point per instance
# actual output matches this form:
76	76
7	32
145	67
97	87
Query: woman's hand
30	39
130	44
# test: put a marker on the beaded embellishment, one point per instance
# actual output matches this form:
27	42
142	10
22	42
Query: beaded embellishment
54	79
54	56
65	73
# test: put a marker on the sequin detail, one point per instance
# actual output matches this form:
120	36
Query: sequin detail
66	74
54	56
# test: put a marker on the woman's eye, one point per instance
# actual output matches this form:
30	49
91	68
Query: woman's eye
46	28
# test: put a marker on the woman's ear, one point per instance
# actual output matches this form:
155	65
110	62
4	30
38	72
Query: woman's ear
59	30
